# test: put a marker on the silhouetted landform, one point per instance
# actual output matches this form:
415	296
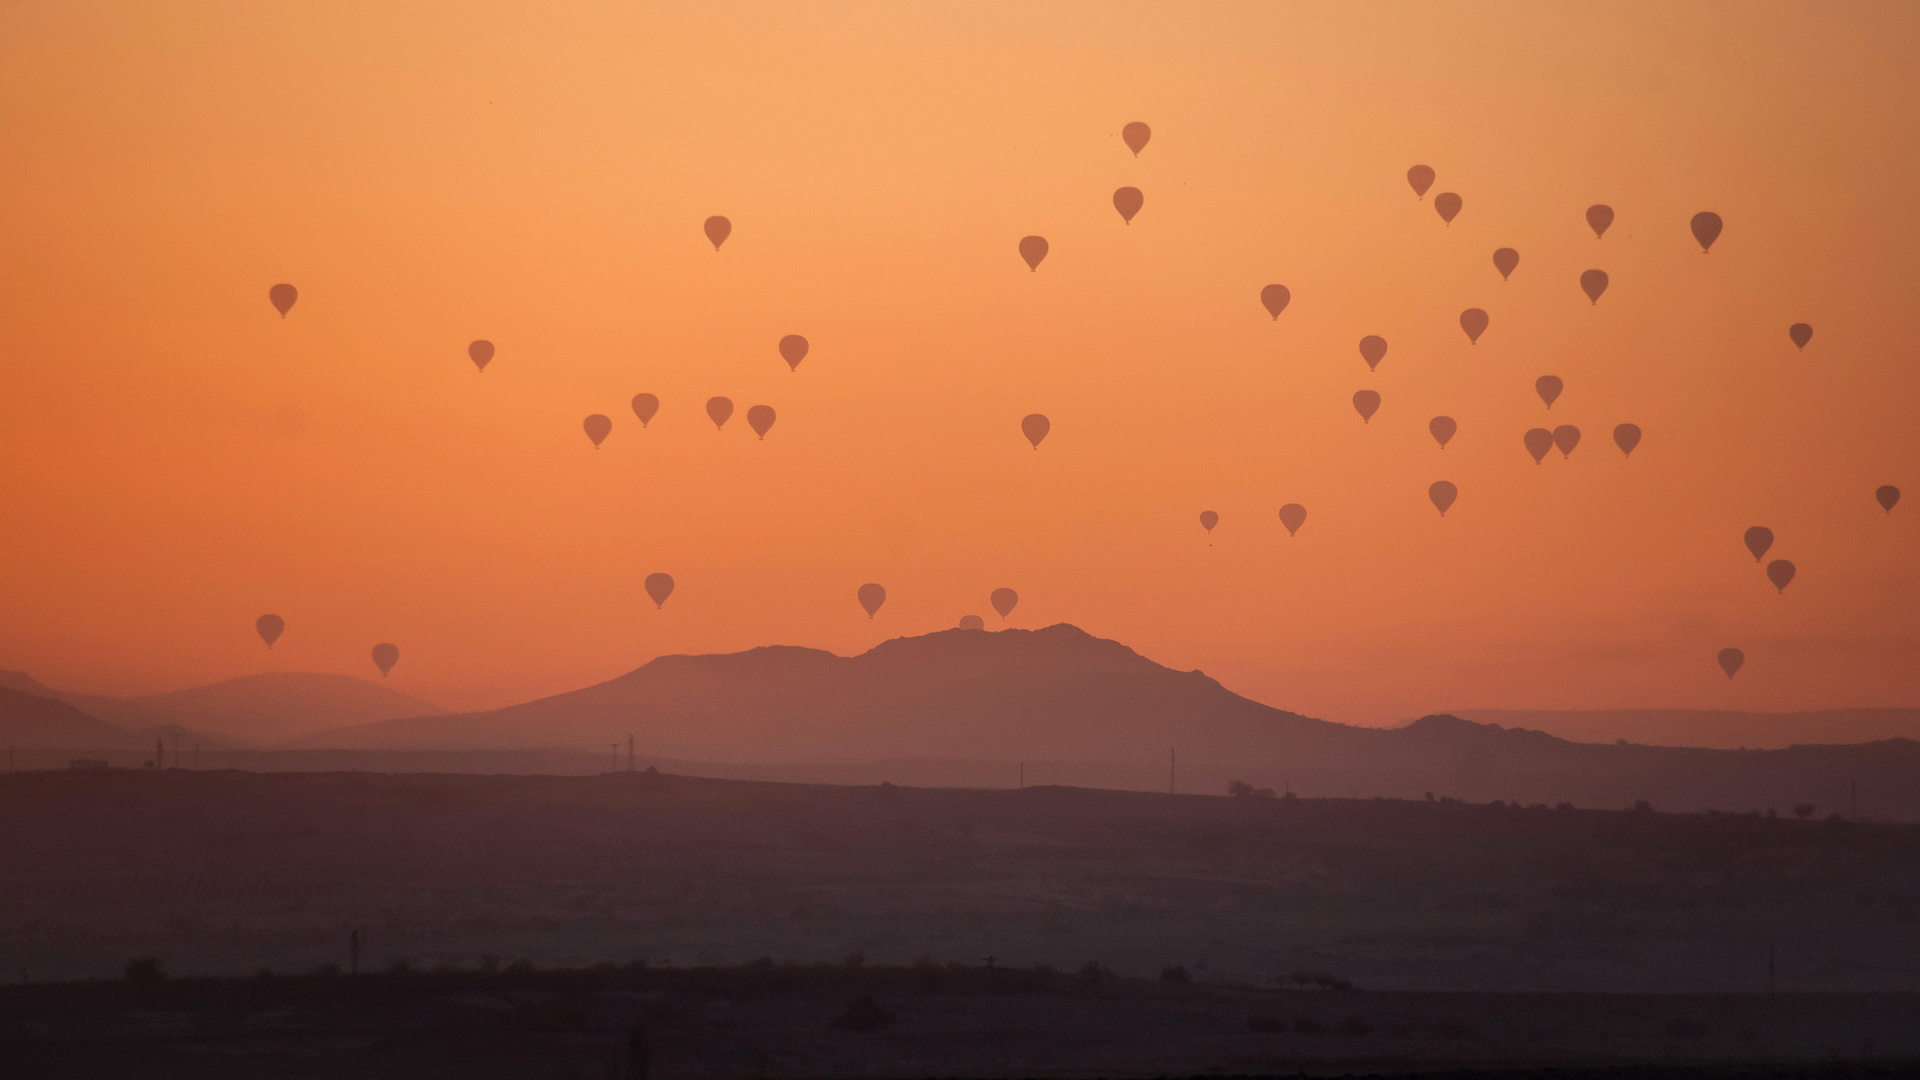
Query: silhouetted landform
31	722
269	707
228	872
1723	729
771	1019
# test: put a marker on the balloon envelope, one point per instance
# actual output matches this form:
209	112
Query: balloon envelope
1537	441
1599	216
659	587
1566	437
1447	205
871	597
1443	428
972	622
270	627
1420	178
1003	601
760	418
282	298
1730	661
385	656
1373	348
1886	495
1293	515
1706	229
1274	298
793	349
1135	135
1504	260
718	229
1780	572
718	409
1366	403
1128	201
644	406
1474	322
1758	539
1035	427
1593	283
1208	519
1548	387
1626	437
1443	493
598	427
480	352
1033	249
1800	333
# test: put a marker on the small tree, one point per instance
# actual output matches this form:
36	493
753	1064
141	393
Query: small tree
1803	811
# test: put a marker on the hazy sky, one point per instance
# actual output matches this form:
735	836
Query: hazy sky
176	459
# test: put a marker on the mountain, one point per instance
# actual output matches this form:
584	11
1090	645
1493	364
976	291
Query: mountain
1721	728
31	722
270	707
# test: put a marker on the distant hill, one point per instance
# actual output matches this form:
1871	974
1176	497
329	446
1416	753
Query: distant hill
268	708
30	722
1721	728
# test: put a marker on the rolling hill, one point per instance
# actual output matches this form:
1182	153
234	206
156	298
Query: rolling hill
1724	729
266	708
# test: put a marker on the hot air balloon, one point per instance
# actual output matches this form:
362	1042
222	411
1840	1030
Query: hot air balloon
1537	441
1599	216
718	229
1274	298
1033	249
1447	205
1003	601
972	622
385	656
1548	387
1800	333
1420	177
1758	540
282	298
1366	403
1887	495
1373	348
1566	437
1706	229
1135	135
1293	515
718	409
1474	322
480	352
270	628
1208	519
871	597
1730	661
1443	494
1128	201
1504	260
1593	283
659	587
644	406
1443	428
760	418
793	349
1626	437
1780	572
1035	427
598	427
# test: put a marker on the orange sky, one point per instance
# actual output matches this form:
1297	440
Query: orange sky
176	459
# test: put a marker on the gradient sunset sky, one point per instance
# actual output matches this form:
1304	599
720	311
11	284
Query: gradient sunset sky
176	459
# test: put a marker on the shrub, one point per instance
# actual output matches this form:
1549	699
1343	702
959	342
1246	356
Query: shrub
1803	811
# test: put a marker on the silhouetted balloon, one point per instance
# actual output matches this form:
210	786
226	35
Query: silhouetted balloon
270	628
1548	387
1626	437
282	297
1758	540
1373	348
1537	441
1780	572
1593	283
1599	216
1033	249
385	656
718	409
1447	204
644	406
760	418
1128	201
1421	178
1274	298
1730	661
718	229
972	622
1706	229
659	587
1443	428
1208	519
871	597
1474	322
1443	493
1566	437
598	427
1135	135
1366	403
1800	333
1003	601
1293	515
1035	427
1504	260
793	349
480	352
1887	495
